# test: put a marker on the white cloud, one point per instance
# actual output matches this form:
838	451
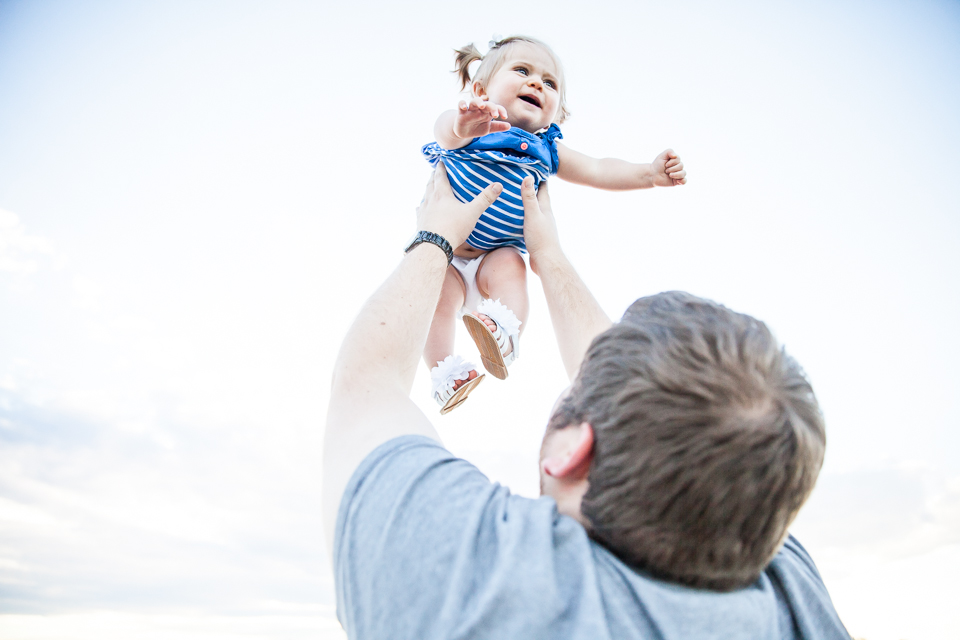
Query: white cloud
893	512
122	625
87	293
93	514
20	252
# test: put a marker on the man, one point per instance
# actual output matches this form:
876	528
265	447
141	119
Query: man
670	471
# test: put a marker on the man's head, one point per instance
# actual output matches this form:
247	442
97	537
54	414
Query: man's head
693	439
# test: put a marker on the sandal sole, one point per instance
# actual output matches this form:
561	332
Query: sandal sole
460	395
490	354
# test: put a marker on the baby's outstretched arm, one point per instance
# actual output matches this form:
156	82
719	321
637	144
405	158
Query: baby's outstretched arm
471	119
619	175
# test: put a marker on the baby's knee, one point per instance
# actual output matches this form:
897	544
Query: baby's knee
509	261
503	268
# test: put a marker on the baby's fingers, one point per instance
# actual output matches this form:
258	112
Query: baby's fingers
497	111
493	109
474	104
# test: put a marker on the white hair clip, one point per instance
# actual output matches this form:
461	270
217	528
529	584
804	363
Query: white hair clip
495	41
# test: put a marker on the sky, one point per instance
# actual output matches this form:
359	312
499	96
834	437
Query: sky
197	197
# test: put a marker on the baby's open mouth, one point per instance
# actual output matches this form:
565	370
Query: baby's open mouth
532	100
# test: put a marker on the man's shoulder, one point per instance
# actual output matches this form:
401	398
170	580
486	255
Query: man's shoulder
794	560
418	476
803	594
427	536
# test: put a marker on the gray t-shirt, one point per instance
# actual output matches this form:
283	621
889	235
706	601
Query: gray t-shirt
427	547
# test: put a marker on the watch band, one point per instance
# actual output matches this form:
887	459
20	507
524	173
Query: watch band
432	238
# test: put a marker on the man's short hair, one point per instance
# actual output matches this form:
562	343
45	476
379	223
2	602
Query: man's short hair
708	439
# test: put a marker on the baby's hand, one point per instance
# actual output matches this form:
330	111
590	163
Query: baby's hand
478	117
668	170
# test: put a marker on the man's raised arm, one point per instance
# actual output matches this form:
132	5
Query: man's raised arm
370	396
577	317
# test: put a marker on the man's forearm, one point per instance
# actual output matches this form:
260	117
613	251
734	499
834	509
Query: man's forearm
369	398
576	315
385	342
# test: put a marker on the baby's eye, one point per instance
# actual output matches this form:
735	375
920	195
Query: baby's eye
521	70
550	83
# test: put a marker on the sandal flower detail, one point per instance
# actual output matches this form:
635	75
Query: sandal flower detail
445	375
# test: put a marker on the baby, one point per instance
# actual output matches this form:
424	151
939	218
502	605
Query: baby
506	131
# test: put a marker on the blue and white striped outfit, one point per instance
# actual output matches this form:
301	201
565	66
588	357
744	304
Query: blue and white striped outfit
506	157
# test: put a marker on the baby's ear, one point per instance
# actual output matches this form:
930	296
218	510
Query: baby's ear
478	90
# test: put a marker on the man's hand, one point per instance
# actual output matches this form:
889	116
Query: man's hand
441	212
668	170
539	226
478	117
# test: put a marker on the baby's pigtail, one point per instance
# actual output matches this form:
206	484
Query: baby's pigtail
465	57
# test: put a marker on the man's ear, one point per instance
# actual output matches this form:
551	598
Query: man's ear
573	460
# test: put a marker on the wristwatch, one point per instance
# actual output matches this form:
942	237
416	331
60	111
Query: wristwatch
433	238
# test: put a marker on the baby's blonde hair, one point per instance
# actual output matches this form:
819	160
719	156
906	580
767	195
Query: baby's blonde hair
491	63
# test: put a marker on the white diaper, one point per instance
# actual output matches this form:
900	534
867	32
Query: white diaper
467	268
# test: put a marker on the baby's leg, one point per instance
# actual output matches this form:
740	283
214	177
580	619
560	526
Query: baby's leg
503	275
440	340
452	377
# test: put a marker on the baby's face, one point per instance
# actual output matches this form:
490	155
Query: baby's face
527	85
